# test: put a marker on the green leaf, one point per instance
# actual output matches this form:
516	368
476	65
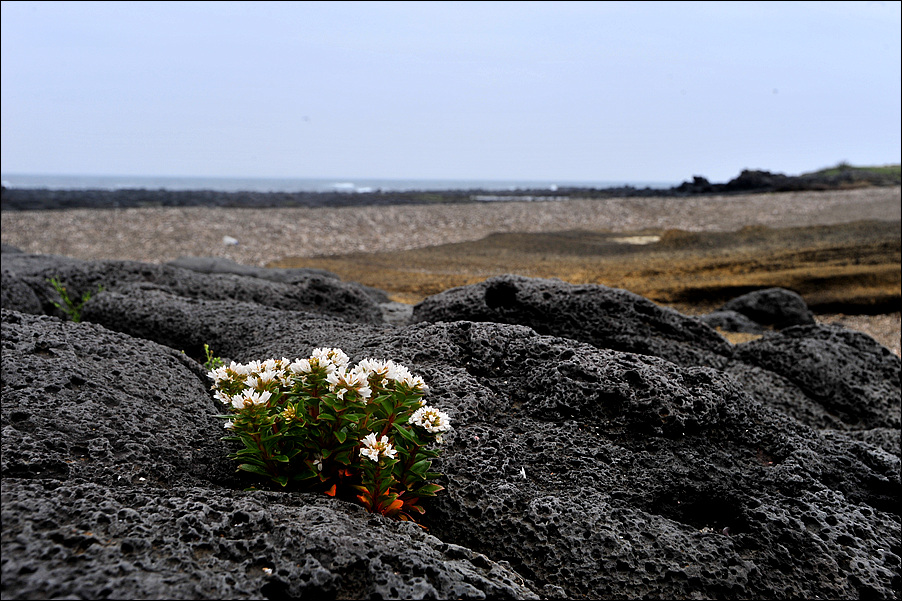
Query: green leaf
354	418
421	467
415	507
306	474
341	435
254	469
343	457
384	485
429	490
405	433
388	407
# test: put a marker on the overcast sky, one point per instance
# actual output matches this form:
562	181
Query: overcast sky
545	91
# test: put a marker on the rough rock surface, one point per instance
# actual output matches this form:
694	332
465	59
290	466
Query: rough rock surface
731	321
299	290
575	469
604	317
775	307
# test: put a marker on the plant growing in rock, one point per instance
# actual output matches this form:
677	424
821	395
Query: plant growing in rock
69	306
212	362
362	433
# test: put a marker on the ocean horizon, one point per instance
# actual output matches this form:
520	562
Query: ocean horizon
259	184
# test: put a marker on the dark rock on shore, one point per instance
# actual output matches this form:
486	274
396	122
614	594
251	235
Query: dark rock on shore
774	307
751	180
606	467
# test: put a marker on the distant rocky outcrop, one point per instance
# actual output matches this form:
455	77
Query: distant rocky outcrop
603	447
752	180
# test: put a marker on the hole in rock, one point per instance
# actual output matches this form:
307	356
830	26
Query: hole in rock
500	295
196	352
702	510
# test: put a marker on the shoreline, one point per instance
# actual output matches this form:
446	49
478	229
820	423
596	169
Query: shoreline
843	177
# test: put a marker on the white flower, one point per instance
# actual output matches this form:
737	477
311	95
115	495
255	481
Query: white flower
431	419
238	368
416	383
267	376
229	425
250	397
373	448
222	397
253	367
342	381
401	375
219	374
335	356
397	372
299	366
373	367
318	462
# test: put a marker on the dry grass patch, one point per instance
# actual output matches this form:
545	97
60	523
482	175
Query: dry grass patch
851	268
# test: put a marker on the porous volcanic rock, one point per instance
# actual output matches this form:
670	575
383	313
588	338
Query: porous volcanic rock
845	372
223	265
303	291
287	276
731	321
236	331
602	316
775	307
572	470
116	484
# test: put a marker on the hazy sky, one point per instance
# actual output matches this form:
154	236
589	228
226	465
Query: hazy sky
581	91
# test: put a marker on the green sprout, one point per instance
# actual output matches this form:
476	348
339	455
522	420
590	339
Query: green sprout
212	361
69	306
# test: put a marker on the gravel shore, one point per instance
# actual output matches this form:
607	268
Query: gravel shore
158	235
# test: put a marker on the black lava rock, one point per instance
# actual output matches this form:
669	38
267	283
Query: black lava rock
689	469
775	307
299	290
731	321
604	317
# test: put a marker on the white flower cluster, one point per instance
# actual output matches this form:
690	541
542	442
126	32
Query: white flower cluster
256	376
264	376
431	419
381	373
372	448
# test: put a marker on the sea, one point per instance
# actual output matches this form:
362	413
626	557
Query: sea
247	184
